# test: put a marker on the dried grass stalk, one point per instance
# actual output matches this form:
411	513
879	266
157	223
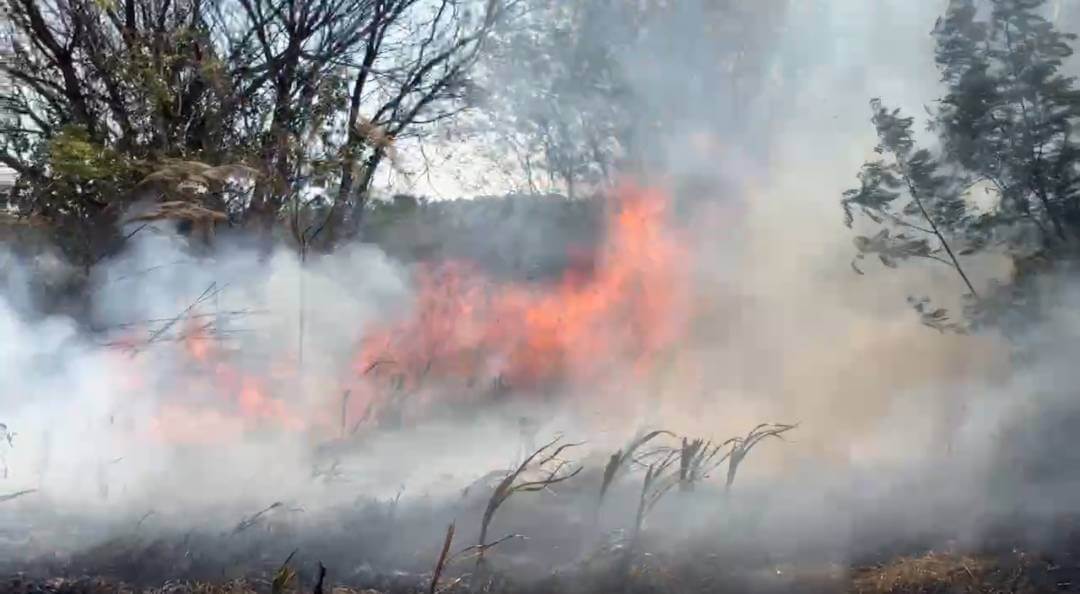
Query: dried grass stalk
16	495
619	460
741	446
440	564
181	211
283	577
550	464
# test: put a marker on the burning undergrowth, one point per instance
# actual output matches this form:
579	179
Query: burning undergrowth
413	416
614	315
218	386
462	339
229	413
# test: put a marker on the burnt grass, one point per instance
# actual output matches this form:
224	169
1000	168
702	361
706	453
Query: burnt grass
928	572
754	540
391	547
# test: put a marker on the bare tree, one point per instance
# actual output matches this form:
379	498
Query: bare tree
311	94
414	72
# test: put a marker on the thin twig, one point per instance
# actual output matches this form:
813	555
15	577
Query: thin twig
16	495
440	564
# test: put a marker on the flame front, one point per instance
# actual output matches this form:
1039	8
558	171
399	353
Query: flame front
217	400
465	328
466	335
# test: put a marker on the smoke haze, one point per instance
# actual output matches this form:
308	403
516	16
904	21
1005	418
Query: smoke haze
135	417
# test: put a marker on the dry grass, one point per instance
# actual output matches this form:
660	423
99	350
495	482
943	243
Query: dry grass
440	564
621	459
553	470
182	177
741	446
944	573
181	211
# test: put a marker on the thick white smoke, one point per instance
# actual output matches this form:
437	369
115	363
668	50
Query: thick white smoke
789	333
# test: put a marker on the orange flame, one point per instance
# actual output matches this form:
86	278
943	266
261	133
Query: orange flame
600	322
196	342
216	401
464	327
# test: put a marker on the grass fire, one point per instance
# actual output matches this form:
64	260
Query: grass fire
520	296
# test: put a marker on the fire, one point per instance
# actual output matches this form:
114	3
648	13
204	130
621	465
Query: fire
216	400
466	336
466	329
196	342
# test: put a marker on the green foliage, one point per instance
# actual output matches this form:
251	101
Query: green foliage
1004	125
72	154
905	194
1008	115
105	91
